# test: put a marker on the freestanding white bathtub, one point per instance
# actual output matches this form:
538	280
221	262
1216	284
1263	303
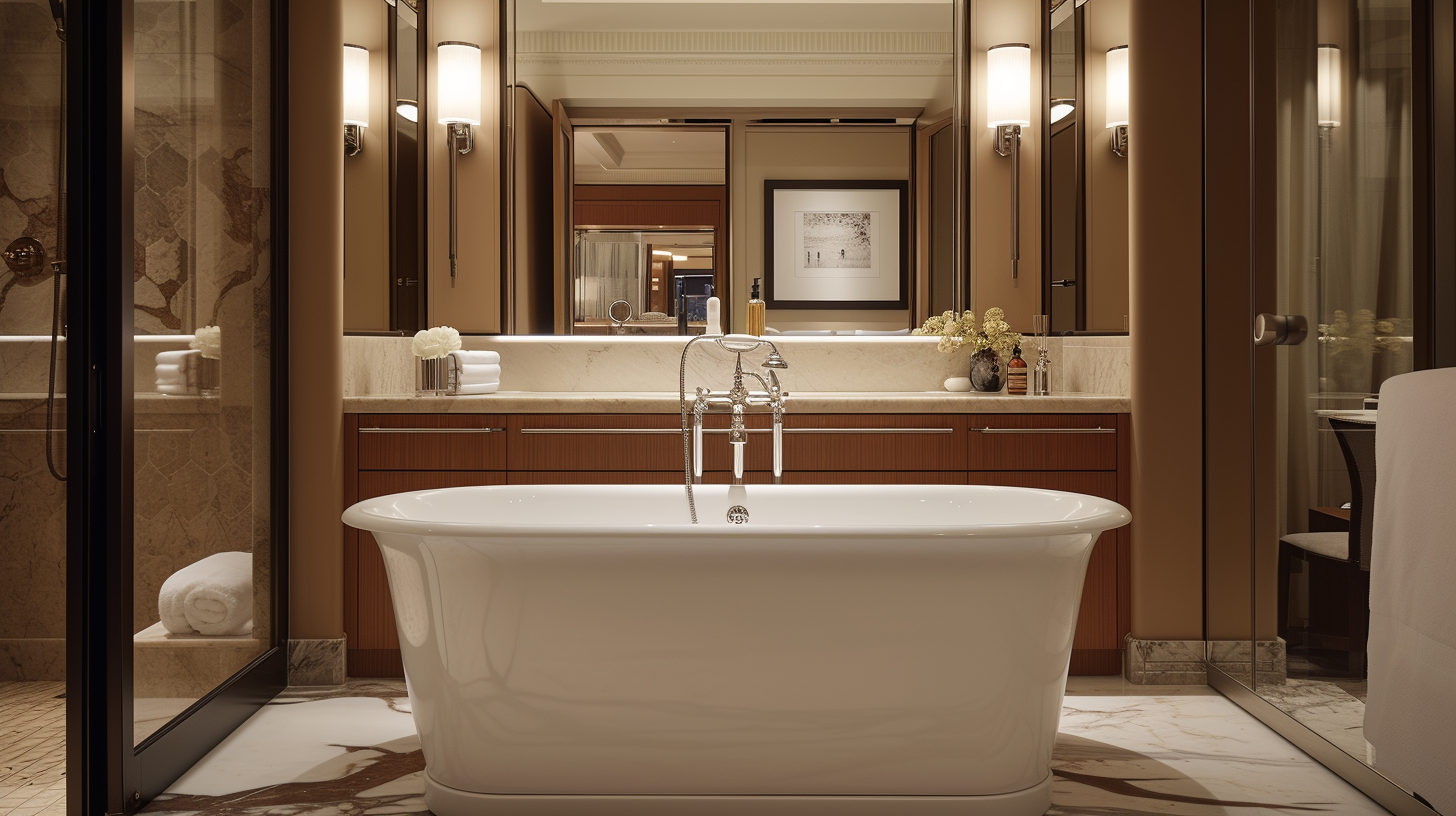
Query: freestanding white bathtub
845	650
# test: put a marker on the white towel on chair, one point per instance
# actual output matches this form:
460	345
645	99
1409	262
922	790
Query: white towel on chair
213	596
1410	717
466	357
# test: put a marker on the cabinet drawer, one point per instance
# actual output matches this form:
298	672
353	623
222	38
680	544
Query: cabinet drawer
432	442
872	443
1042	442
626	442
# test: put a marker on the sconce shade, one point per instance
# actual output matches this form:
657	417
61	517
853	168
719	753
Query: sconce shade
1117	86
458	75
1008	85
1327	81
356	86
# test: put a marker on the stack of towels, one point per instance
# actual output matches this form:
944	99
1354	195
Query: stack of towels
213	596
175	371
475	372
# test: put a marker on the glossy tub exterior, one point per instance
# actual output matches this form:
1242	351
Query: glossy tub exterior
846	650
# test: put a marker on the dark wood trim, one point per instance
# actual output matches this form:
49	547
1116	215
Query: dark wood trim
99	158
770	186
375	663
1434	178
1095	662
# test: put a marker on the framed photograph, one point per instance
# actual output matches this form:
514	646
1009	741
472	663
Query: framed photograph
836	244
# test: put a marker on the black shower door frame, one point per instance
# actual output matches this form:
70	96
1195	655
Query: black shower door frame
106	773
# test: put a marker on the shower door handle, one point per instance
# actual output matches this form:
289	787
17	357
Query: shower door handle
1280	330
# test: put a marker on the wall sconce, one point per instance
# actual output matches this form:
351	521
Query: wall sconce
356	98
1327	85
458	82
1117	99
1008	109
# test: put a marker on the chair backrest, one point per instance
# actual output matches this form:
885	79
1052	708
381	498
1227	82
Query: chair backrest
1357	443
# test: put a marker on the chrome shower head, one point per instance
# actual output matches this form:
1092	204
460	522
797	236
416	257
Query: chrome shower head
775	361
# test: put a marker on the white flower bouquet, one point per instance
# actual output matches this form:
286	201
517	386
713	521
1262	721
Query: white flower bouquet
208	340
957	331
435	343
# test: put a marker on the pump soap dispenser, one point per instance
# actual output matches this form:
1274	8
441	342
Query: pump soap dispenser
757	312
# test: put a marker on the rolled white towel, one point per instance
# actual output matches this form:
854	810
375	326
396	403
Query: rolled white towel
480	374
170	373
175	357
465	357
478	388
213	596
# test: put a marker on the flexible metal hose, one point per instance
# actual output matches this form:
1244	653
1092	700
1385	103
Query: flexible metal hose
58	266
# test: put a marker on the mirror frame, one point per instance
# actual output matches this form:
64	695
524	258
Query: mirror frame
1079	51
960	284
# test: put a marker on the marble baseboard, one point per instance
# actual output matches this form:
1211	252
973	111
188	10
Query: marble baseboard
1178	662
317	662
1164	662
32	659
1271	665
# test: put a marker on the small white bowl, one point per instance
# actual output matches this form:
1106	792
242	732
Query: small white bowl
958	384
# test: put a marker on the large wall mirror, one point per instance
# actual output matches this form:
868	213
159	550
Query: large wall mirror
384	216
658	127
1084	167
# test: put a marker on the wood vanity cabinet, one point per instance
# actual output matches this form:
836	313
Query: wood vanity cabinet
390	453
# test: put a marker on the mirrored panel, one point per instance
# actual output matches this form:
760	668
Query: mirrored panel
838	91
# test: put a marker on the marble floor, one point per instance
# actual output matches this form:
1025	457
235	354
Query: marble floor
32	748
1123	751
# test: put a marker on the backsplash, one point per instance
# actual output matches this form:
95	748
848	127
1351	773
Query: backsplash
376	366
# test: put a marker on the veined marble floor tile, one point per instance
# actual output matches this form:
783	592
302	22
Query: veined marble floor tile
1188	752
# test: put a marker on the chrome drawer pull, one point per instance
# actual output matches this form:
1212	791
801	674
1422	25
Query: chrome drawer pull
869	430
601	431
750	430
431	430
1045	430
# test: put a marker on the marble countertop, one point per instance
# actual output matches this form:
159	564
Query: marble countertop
806	402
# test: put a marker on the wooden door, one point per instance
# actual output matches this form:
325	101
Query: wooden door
564	182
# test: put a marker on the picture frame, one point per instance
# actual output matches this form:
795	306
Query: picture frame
836	244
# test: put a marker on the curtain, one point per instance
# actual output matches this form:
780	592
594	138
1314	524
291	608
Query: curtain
610	267
1344	226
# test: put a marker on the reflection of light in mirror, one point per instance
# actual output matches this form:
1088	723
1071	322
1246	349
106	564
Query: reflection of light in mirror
408	109
679	257
661	252
1062	107
1327	85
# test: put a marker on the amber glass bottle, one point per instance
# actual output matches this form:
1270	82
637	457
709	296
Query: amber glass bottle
1016	374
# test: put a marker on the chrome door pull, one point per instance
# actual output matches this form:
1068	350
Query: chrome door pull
1280	330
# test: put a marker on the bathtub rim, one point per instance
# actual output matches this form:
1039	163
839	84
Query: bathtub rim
1107	515
447	801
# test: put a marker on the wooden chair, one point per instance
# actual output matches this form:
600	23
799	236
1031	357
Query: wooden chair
1338	564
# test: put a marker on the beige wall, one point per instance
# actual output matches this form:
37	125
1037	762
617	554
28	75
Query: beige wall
472	305
809	153
989	220
316	318
1107	214
1166	248
366	179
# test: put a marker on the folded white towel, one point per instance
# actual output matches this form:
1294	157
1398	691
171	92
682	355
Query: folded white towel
170	373
176	357
213	596
465	357
176	388
478	388
480	374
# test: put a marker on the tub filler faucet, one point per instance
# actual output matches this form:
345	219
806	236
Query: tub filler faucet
737	401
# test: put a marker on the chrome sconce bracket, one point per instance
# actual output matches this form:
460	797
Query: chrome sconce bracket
462	141
353	140
1008	144
1118	141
